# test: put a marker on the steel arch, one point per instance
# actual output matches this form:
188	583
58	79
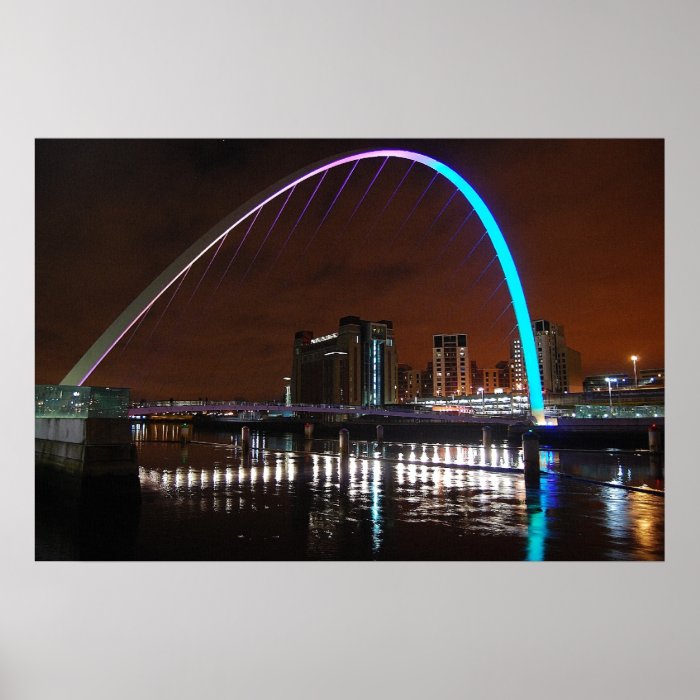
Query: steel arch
102	346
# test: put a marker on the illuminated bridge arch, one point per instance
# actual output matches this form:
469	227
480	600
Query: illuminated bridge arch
82	370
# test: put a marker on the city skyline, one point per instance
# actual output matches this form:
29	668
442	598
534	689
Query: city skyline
583	219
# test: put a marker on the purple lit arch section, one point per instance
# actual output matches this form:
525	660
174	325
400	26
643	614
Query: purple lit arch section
102	346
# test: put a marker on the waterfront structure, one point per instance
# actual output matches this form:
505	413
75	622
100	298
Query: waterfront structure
596	401
354	366
450	363
602	382
647	379
559	365
650	378
84	431
479	403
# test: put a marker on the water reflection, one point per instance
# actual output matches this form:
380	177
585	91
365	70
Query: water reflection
536	504
636	469
290	498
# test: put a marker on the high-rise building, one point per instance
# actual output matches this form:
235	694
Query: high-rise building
354	366
517	364
559	365
450	365
551	348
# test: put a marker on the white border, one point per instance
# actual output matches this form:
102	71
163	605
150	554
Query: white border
394	69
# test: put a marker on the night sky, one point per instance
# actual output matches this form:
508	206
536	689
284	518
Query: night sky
583	219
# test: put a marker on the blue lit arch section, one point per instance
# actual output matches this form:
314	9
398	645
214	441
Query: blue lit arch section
102	346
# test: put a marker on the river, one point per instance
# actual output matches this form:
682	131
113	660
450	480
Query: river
295	499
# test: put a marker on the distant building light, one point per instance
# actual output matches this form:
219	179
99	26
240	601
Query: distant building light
323	338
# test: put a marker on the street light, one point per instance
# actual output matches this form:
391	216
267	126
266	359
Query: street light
481	391
610	380
634	359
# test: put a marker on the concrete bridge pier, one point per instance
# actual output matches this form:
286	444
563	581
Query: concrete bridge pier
344	442
91	447
308	430
86	465
531	458
86	469
380	434
486	437
245	439
654	439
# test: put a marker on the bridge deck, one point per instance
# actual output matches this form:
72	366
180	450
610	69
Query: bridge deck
160	408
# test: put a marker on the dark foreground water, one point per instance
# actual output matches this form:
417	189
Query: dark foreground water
296	499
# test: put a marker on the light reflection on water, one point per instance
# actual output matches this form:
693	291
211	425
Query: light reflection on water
414	501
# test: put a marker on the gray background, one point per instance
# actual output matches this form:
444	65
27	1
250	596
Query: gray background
313	69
